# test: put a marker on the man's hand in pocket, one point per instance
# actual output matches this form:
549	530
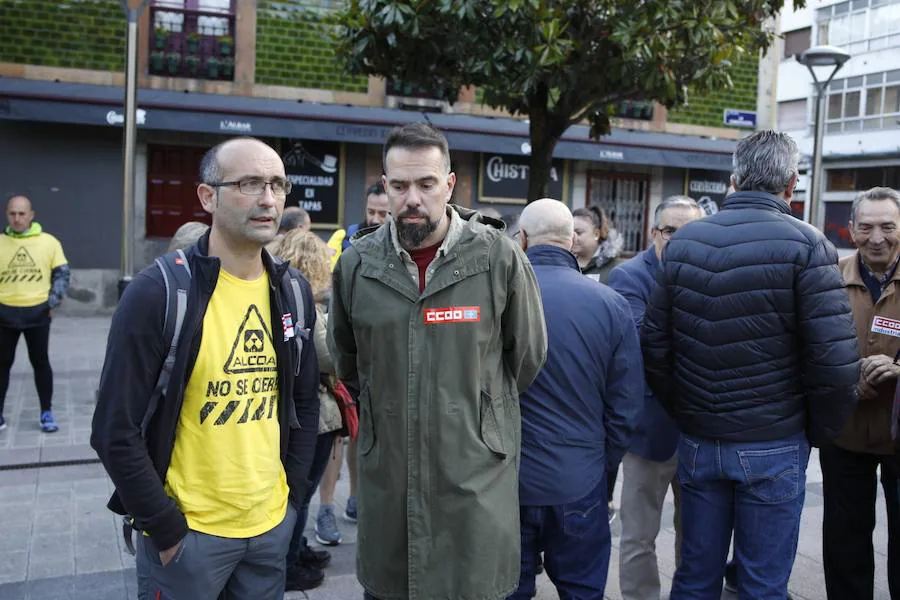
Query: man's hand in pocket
166	556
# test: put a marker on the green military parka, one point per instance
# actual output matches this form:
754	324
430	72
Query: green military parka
439	375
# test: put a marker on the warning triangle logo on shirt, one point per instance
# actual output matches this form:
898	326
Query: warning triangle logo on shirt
21	259
253	350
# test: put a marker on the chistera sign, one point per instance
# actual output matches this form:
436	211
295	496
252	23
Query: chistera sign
314	169
504	179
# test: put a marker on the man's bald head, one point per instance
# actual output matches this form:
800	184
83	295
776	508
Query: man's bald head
223	158
19	213
547	221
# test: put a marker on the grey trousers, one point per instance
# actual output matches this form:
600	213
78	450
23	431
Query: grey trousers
644	487
207	565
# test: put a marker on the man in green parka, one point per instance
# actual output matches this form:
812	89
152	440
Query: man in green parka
436	316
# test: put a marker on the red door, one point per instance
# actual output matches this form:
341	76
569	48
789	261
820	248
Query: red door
172	179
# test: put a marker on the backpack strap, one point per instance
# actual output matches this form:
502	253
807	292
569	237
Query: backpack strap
176	274
300	330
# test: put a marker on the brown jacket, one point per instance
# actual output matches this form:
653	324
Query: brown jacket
869	428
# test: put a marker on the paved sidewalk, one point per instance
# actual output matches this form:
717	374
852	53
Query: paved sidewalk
77	346
58	540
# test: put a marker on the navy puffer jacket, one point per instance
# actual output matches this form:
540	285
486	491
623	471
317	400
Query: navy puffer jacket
749	336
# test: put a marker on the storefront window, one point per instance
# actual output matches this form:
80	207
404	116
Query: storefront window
837	218
840	180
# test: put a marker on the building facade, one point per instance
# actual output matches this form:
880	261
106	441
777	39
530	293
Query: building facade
862	121
214	69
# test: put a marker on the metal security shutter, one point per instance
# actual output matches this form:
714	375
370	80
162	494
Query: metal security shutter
624	197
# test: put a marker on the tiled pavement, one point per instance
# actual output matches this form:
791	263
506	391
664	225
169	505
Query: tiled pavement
58	540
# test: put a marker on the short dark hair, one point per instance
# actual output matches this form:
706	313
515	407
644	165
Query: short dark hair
597	217
376	189
292	218
416	136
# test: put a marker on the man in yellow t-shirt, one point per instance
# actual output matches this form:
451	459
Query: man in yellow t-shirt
211	474
34	278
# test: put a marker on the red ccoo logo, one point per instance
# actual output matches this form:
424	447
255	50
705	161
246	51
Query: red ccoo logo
452	314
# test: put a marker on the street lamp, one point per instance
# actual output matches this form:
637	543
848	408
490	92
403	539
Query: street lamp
133	10
819	56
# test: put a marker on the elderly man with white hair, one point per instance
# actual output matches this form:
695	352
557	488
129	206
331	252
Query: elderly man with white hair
578	416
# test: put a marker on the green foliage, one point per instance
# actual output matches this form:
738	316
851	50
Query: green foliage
82	34
294	48
556	61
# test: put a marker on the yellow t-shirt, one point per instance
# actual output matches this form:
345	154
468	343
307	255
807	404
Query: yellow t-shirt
25	266
226	473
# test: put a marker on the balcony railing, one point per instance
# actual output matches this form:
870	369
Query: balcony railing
631	109
407	90
192	43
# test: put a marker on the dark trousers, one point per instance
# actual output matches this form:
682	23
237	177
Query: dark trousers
850	487
38	341
576	542
324	448
208	567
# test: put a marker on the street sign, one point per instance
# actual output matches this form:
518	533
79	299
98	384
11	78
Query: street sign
740	118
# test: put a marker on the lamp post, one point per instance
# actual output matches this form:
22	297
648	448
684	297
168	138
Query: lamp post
819	56
133	10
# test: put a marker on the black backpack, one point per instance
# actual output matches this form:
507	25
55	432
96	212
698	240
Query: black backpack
176	273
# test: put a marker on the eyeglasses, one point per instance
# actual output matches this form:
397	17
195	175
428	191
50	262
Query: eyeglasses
254	186
667	232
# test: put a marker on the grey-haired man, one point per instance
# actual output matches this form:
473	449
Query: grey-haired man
749	343
649	466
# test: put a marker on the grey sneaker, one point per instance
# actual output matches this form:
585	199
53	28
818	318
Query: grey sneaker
327	532
350	511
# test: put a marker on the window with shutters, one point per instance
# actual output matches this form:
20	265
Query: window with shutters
172	180
792	115
796	42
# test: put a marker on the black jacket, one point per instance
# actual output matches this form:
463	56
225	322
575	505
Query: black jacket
749	336
134	357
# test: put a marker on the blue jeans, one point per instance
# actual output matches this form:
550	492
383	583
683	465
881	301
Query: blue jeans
575	540
755	489
324	445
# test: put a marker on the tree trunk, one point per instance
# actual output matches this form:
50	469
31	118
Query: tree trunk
544	136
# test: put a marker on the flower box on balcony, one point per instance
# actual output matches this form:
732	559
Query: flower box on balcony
226	45
161	38
212	67
157	62
193	43
173	62
193	65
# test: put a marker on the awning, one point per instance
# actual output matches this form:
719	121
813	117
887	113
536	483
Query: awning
85	104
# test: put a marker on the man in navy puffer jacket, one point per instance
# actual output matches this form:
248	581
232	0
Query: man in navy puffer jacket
749	343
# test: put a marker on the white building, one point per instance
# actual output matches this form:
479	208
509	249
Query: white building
861	146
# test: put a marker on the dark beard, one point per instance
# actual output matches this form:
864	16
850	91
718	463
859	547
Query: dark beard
413	234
